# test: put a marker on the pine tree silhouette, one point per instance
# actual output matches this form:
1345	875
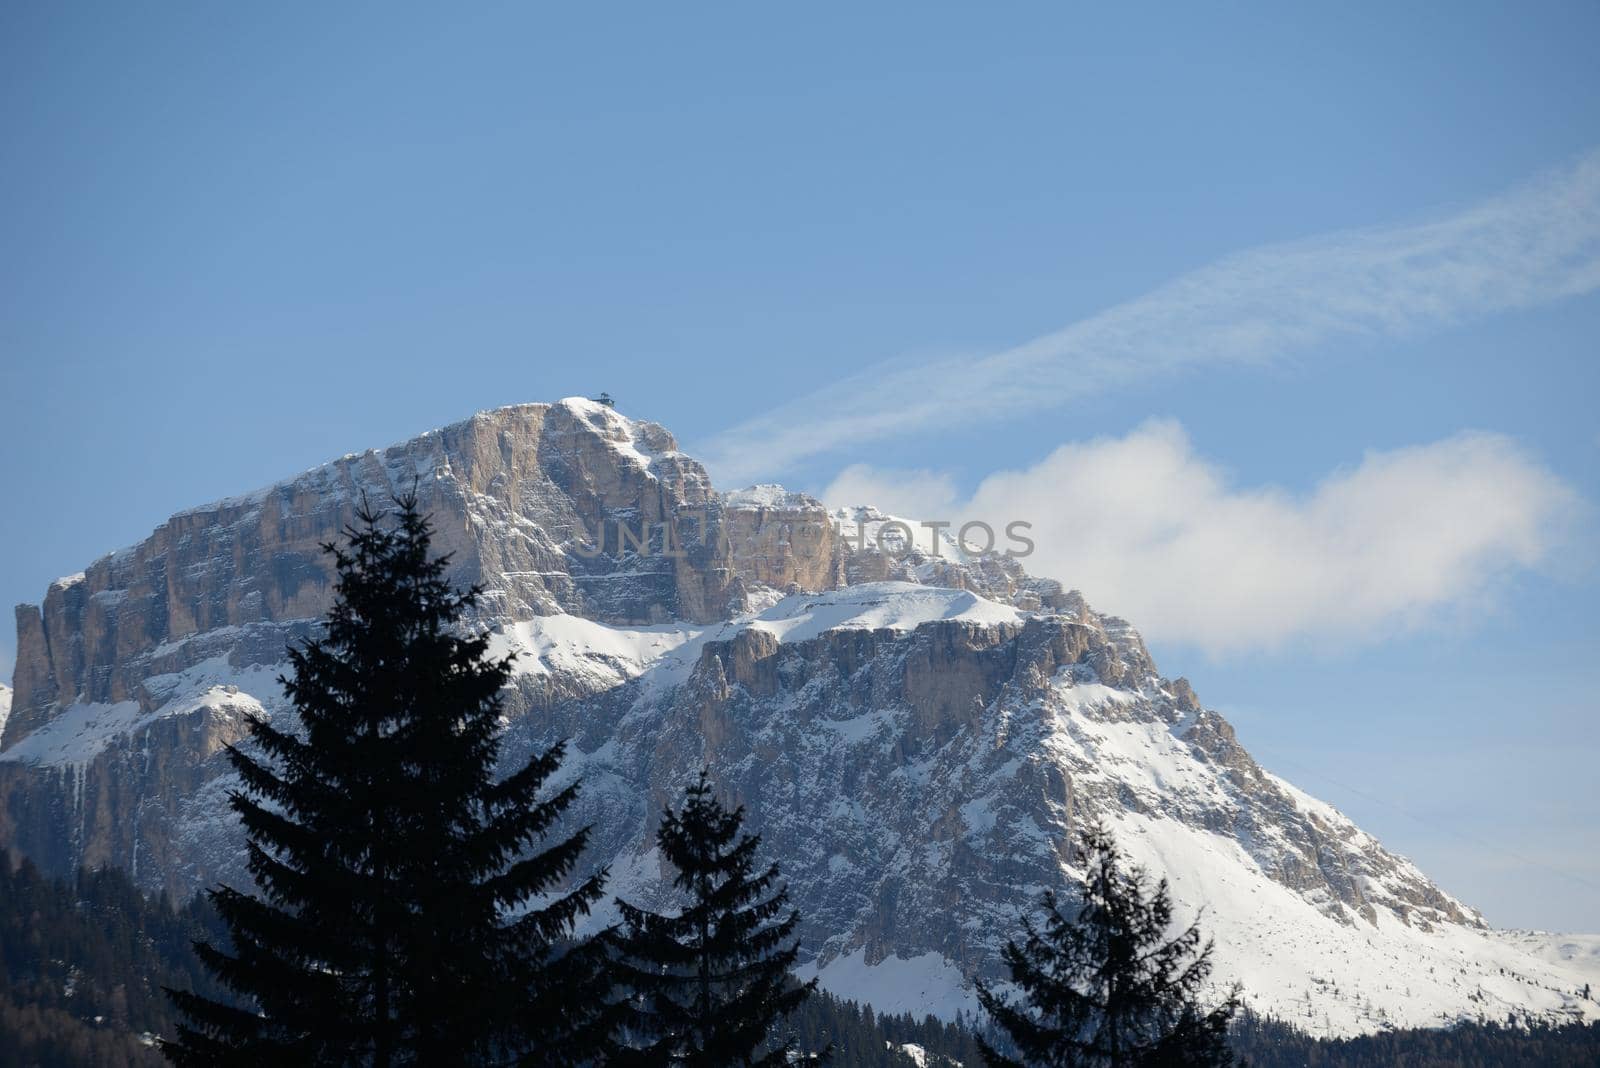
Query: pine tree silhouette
387	857
1109	986
707	985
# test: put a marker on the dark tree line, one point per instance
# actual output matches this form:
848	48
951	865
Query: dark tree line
110	941
82	966
98	929
1268	1043
858	1037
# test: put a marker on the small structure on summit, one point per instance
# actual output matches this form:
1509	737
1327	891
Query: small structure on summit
604	398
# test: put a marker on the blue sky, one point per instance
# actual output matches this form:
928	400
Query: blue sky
237	242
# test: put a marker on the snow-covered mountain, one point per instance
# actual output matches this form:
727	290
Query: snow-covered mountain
915	731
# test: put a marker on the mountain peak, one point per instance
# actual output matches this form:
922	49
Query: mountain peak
916	728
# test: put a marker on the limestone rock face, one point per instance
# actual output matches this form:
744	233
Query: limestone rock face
783	541
916	730
133	804
552	508
907	776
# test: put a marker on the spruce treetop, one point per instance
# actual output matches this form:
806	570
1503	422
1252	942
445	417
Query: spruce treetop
1109	984
407	902
708	985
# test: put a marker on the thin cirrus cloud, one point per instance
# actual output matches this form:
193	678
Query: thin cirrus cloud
1535	244
1146	526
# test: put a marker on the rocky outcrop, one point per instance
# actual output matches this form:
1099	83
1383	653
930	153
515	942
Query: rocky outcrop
783	541
551	508
132	803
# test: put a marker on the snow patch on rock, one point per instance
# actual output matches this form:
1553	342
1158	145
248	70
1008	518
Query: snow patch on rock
918	985
601	656
86	729
770	495
899	606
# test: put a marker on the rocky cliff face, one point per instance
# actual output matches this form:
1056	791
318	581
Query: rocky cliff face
516	494
914	730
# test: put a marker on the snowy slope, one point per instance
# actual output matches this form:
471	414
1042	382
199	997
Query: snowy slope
1333	978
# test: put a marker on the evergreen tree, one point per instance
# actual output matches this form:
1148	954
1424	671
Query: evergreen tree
706	985
1109	986
387	857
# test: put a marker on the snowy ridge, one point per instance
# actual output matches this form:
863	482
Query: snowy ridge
86	729
596	656
602	656
624	434
616	428
897	606
769	495
5	706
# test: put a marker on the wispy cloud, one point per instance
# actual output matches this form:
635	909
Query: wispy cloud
1148	528
1533	245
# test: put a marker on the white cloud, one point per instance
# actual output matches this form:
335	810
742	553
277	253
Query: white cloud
1152	531
1536	244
